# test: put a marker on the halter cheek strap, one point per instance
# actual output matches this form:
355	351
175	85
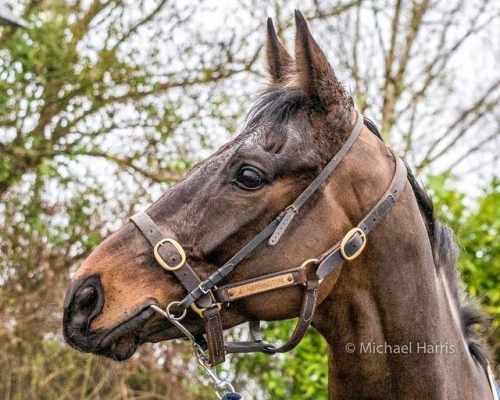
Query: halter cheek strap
170	255
206	299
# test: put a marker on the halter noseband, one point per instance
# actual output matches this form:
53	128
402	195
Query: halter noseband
207	299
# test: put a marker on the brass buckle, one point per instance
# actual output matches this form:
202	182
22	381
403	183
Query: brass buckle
309	261
162	262
199	311
349	235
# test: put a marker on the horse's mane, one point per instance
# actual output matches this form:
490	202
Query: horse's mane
445	252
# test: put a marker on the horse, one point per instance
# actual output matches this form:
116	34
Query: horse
279	208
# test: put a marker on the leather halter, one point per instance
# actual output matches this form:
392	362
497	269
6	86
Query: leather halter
207	299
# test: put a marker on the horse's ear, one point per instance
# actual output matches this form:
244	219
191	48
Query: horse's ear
279	61
313	72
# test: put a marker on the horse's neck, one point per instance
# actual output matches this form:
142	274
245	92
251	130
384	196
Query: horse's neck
392	328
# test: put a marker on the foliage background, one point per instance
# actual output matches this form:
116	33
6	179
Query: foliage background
105	103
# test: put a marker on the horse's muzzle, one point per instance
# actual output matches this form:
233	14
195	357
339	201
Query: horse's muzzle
83	302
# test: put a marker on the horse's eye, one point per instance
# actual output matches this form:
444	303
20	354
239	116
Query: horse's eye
249	178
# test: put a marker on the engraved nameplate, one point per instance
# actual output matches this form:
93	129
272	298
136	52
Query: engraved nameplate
260	286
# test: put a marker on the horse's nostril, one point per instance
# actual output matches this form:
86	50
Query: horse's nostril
86	297
84	301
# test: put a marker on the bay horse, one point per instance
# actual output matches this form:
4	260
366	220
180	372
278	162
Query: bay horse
305	170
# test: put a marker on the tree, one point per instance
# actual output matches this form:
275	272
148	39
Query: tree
90	119
105	103
78	91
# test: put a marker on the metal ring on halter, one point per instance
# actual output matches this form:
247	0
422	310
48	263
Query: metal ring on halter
171	315
196	346
223	387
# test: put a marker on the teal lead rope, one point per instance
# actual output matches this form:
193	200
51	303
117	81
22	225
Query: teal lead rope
231	396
